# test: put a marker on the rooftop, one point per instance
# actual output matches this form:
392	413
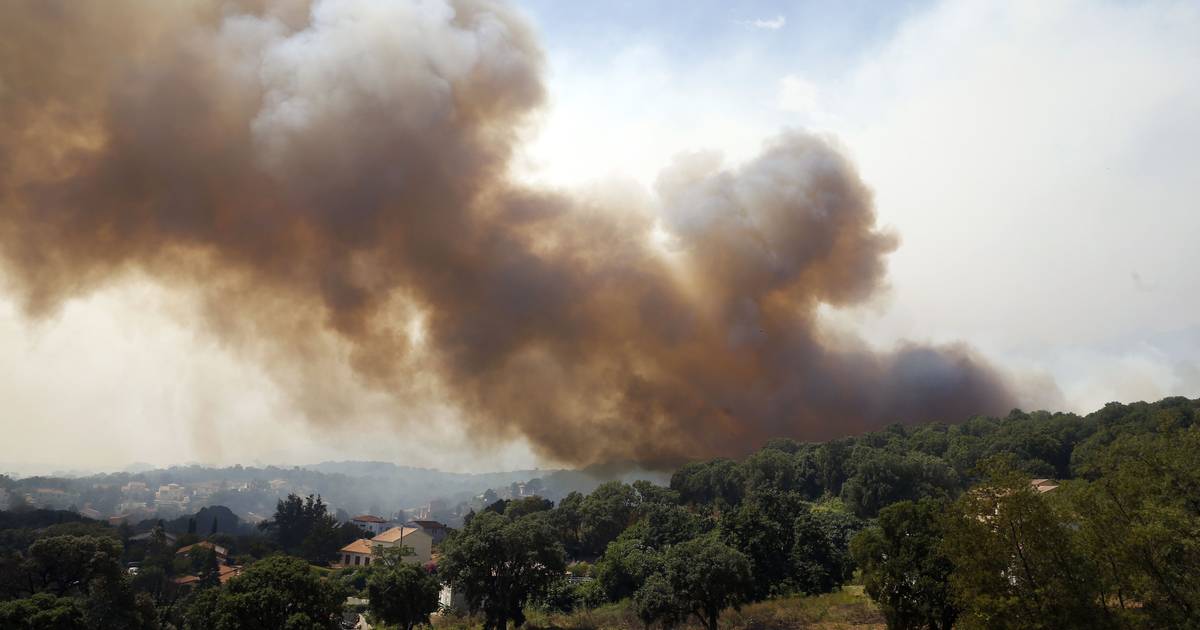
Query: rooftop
395	534
362	545
221	551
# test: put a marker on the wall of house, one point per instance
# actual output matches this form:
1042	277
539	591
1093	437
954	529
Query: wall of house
421	544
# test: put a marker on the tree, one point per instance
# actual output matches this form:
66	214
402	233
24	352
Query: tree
656	602
882	478
66	564
527	505
305	528
665	524
1139	522
567	520
1017	562
42	610
763	528
706	577
649	494
401	594
717	481
500	564
816	562
774	470
277	592
205	566
903	568
606	512
626	564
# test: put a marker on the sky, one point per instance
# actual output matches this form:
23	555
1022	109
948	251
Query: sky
1037	159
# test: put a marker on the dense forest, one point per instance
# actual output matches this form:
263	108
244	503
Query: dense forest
1032	520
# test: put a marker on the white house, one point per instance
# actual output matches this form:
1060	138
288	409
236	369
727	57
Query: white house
374	524
361	551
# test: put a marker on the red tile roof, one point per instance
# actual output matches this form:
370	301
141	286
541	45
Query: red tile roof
362	545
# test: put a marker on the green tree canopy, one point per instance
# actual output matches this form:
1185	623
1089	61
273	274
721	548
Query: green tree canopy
500	564
706	577
1016	561
400	593
277	592
903	568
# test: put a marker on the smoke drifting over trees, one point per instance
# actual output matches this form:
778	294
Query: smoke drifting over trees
332	180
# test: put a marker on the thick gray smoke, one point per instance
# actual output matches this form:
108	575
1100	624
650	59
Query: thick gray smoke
323	174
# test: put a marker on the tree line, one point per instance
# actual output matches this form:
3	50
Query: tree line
941	524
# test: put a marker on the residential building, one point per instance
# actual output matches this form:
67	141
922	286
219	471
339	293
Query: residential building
436	530
221	552
1043	485
146	537
171	492
374	524
357	553
225	572
135	487
360	552
431	509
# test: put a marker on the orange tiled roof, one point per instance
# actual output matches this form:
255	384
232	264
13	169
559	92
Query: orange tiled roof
224	574
395	534
368	518
362	545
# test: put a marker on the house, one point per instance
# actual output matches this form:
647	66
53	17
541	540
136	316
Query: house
436	530
170	493
135	487
1043	485
357	553
146	537
361	551
222	553
430	509
374	524
224	574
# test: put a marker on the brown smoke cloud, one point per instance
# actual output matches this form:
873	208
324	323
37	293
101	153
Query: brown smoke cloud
325	174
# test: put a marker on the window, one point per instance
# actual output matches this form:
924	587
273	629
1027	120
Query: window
356	559
366	561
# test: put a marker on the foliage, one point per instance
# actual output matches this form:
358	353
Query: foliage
401	593
706	577
303	527
1016	562
882	478
626	564
500	564
1140	522
903	568
604	514
278	592
656	602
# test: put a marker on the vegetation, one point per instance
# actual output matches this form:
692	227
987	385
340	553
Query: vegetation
942	523
278	592
305	528
400	593
500	563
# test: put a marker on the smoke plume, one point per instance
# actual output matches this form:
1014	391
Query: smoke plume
333	180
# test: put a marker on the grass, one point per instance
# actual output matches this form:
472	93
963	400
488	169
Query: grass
848	608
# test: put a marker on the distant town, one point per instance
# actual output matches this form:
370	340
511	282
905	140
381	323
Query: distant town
394	494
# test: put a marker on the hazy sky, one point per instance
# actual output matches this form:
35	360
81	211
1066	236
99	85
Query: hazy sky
1039	160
